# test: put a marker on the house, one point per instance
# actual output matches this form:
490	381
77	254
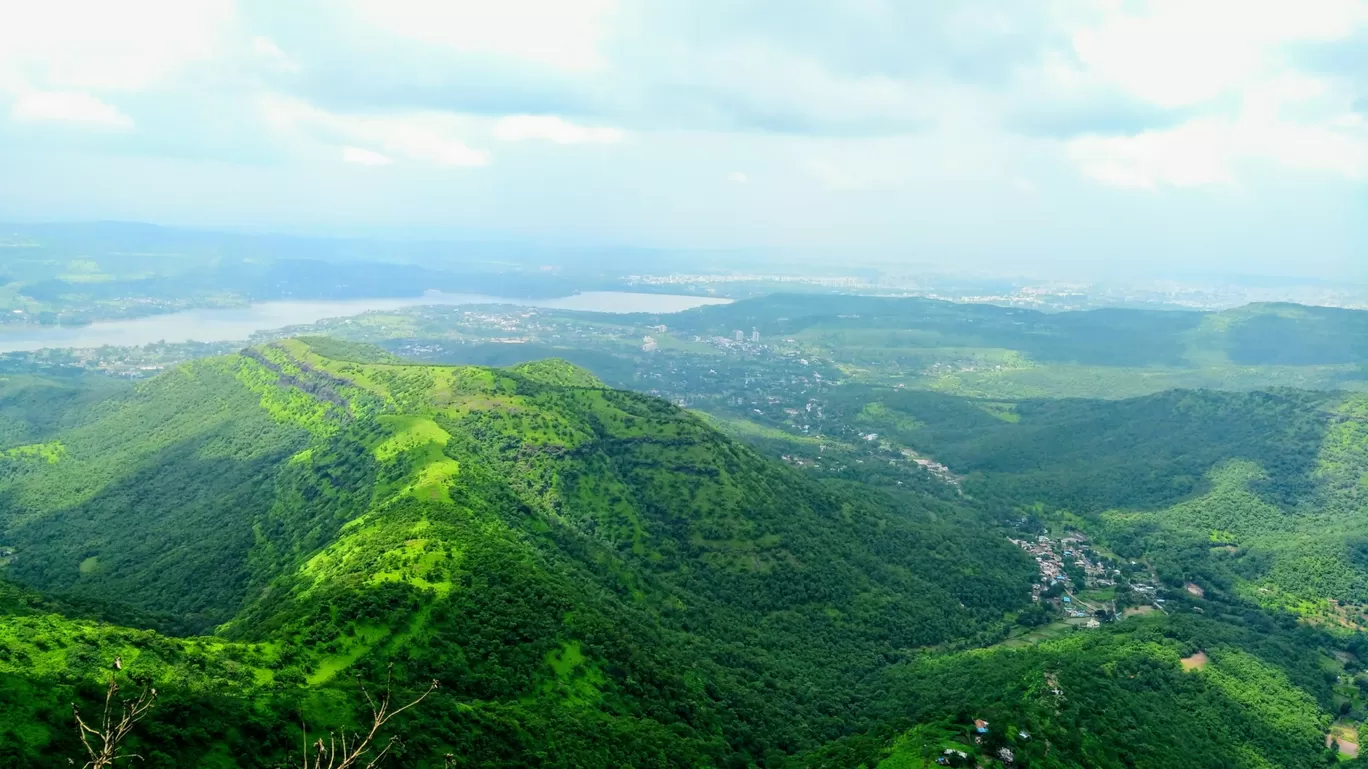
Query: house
980	726
1066	599
1093	624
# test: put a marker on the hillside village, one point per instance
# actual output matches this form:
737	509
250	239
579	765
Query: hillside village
1087	586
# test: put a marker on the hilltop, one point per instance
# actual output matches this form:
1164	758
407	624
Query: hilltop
579	566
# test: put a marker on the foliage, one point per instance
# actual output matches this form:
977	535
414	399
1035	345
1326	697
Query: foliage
583	569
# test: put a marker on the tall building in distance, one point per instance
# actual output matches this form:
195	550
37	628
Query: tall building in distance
740	335
755	335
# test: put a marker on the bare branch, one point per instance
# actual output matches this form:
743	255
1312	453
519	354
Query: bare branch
102	744
343	752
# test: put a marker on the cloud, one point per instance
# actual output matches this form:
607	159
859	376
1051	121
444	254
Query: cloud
515	128
1210	151
1209	47
364	157
883	122
67	107
90	45
562	34
428	137
1191	155
1229	83
266	49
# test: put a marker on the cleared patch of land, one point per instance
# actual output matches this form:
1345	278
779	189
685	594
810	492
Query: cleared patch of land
1346	737
1195	662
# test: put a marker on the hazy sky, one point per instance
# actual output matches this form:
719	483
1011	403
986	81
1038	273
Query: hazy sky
1220	134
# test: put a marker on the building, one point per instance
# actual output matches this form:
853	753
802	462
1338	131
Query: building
755	336
739	335
648	343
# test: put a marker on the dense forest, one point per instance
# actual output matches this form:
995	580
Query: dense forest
596	577
583	569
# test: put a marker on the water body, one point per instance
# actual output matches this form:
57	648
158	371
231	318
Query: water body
241	323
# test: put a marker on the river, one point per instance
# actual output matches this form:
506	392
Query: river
240	323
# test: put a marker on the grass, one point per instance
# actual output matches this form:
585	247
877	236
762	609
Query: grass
576	678
1032	636
737	427
51	452
363	640
1098	594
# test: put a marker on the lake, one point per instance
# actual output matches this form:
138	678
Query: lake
240	323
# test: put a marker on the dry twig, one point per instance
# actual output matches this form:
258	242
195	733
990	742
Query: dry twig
342	752
102	742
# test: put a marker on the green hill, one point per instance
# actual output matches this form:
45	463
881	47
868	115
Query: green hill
1257	493
992	351
596	577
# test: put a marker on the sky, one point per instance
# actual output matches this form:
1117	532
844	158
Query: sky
1220	135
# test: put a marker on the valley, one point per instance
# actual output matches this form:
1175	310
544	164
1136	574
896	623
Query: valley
811	563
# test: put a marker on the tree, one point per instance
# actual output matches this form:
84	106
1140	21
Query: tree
343	752
102	741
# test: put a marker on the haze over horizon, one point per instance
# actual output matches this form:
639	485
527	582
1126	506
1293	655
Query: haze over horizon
1095	136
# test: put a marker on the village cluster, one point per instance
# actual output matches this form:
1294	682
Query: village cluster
1069	564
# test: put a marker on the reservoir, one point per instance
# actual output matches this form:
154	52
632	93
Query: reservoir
240	323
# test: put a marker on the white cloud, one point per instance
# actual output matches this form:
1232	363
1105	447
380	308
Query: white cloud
1194	154
93	45
364	157
430	137
1209	151
1225	62
266	48
737	177
551	128
67	106
564	34
1176	53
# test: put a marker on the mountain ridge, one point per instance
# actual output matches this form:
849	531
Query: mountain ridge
545	546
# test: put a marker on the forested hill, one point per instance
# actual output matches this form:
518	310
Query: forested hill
1253	335
1263	495
589	573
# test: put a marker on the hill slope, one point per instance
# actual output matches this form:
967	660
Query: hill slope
581	567
980	349
1260	493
